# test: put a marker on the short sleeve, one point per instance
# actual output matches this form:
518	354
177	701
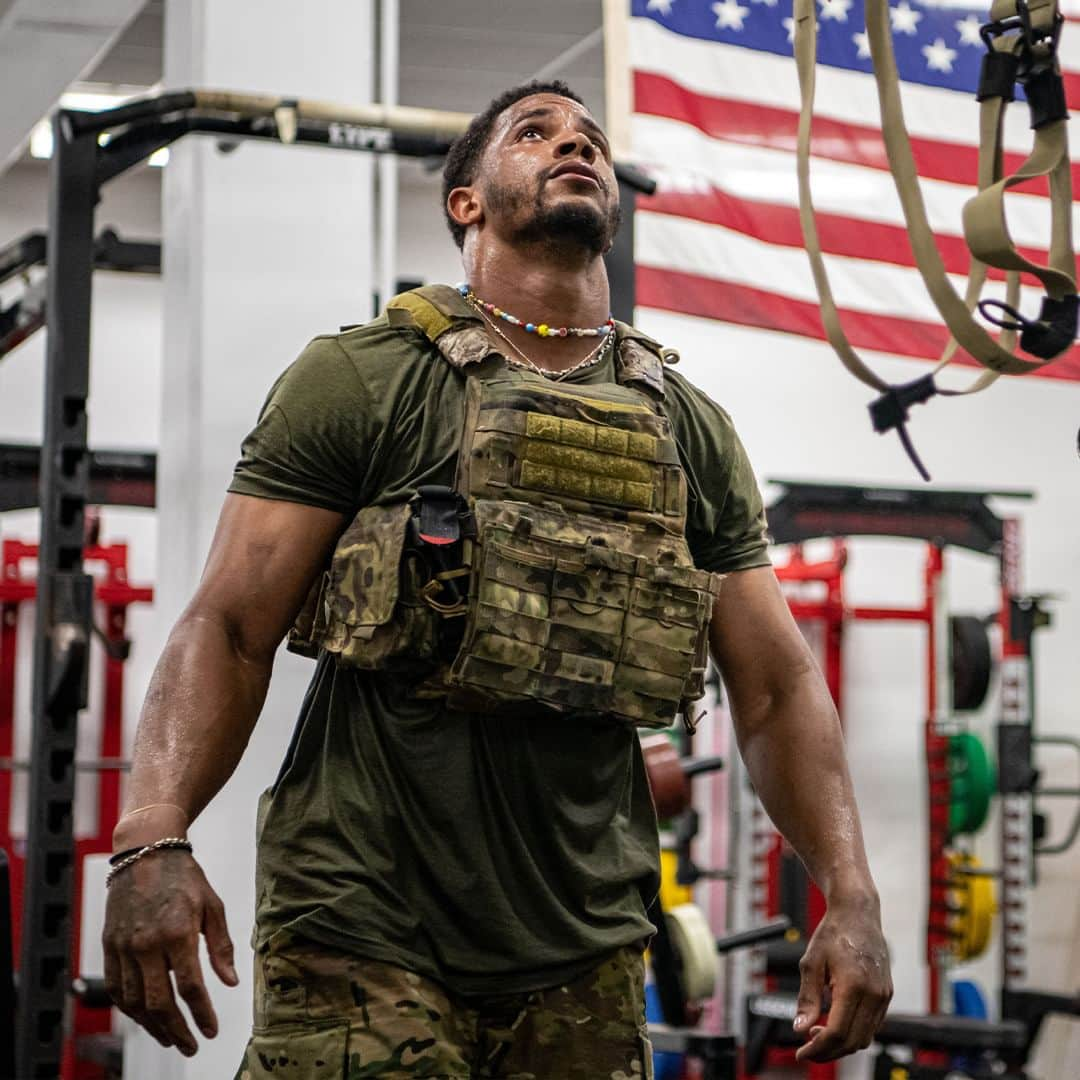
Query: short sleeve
314	436
726	527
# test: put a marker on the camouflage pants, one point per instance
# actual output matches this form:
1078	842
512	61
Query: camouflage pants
322	1015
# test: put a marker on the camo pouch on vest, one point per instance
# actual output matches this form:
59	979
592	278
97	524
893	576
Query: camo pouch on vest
566	613
373	609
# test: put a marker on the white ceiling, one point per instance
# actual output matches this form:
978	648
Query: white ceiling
137	57
461	53
45	45
457	54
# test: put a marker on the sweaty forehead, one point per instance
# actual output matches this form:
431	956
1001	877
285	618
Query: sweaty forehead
537	104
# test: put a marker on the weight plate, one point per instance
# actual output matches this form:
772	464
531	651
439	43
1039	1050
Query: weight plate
668	783
697	949
672	894
972	663
974	907
973	781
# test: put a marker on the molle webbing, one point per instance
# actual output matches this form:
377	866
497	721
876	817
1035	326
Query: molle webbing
583	615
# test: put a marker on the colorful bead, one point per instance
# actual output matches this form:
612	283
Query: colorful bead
543	330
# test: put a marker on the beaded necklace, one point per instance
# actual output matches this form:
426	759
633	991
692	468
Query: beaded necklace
593	357
541	329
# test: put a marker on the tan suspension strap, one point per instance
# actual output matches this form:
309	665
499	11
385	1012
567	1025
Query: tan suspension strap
1022	42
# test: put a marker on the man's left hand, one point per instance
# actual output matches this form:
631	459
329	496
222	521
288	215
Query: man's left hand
848	955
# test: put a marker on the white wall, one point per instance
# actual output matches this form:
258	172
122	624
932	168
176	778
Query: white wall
424	249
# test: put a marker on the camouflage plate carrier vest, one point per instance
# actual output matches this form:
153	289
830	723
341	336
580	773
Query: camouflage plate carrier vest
558	571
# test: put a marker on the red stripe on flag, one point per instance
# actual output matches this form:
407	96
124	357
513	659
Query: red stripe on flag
691	294
777	129
1071	79
839	235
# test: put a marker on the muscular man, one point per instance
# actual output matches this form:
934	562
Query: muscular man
529	513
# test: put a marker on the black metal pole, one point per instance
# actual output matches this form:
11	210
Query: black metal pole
620	259
7	975
63	610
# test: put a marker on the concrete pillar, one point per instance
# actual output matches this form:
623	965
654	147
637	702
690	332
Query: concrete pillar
264	248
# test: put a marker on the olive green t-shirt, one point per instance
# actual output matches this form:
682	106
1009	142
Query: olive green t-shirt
494	854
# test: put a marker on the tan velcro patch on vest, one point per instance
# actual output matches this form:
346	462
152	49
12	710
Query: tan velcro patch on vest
589	461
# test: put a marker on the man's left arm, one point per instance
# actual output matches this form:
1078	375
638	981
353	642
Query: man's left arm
791	741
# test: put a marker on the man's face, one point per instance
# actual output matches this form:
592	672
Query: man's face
546	174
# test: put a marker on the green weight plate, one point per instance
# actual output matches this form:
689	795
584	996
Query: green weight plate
972	783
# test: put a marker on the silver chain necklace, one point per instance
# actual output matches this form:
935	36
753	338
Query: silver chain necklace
594	356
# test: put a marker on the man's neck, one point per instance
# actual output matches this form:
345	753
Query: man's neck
537	288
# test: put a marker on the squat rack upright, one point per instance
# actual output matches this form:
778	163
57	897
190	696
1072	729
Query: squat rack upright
91	149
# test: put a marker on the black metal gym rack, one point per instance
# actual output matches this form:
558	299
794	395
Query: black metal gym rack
91	149
27	314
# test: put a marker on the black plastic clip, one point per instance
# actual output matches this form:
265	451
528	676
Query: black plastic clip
1039	50
891	411
1048	335
1045	93
439	512
441	518
997	76
1048	39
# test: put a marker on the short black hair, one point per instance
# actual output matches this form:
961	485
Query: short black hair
465	152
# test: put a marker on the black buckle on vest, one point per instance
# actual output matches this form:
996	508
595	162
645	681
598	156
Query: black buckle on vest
891	411
1051	333
441	518
439	512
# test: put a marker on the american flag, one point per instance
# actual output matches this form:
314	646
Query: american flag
714	117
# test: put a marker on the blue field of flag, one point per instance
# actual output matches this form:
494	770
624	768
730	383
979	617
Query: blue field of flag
934	46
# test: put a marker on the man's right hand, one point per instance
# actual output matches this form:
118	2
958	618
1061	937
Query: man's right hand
156	909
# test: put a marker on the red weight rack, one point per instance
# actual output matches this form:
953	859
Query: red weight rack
114	594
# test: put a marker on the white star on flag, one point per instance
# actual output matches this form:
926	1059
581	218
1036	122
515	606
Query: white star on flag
862	43
789	25
663	6
730	15
904	18
969	30
835	9
939	56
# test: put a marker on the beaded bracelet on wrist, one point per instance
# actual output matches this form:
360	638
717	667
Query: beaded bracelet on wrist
166	843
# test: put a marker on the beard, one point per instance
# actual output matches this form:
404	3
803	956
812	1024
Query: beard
583	225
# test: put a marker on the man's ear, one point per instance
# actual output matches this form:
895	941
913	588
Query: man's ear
464	207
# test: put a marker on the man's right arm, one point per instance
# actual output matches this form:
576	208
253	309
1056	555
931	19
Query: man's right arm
200	709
